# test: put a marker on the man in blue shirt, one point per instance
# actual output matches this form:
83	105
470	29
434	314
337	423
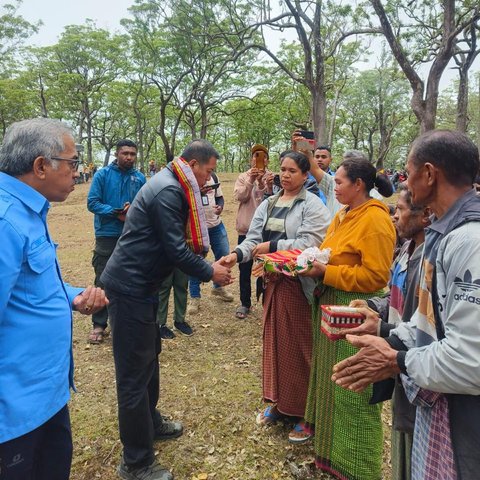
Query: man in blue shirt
38	165
113	190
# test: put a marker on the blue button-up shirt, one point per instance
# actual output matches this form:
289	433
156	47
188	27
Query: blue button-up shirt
36	363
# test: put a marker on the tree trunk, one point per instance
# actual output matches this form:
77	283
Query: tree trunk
478	117
43	100
204	125
425	110
462	102
319	115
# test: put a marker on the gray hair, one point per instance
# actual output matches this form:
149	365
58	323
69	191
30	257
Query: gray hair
354	154
26	140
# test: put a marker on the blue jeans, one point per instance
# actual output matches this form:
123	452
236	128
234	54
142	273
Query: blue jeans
220	247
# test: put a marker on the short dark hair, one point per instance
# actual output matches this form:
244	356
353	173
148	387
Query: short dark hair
299	158
125	143
324	147
451	151
402	187
201	150
361	168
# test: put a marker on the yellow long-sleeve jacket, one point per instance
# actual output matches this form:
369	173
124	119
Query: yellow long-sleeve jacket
362	242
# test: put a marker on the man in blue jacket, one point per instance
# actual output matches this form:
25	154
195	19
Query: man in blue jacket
38	165
113	190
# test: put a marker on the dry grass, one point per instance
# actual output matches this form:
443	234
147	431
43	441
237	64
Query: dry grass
210	381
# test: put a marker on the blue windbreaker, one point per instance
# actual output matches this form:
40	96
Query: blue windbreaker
111	189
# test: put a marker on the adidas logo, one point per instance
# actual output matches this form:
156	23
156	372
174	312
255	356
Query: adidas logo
467	285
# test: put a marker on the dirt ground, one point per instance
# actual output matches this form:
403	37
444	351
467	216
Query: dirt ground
210	381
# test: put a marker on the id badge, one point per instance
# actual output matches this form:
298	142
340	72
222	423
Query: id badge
205	201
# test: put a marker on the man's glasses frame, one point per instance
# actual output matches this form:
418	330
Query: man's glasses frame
74	163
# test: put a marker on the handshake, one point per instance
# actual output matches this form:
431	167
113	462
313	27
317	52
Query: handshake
222	270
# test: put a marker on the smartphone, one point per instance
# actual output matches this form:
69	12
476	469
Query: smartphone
306	134
260	158
276	180
213	186
304	145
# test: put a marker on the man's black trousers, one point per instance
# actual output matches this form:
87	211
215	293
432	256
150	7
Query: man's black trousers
136	346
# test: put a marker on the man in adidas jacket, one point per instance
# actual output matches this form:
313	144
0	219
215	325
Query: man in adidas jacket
438	353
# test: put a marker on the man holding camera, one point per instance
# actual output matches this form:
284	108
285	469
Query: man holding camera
249	190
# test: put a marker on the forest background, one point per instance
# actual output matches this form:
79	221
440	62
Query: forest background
360	74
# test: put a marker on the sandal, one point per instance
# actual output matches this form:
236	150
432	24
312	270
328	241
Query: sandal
299	434
96	336
269	416
242	312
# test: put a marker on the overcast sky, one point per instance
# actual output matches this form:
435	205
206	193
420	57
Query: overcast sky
56	14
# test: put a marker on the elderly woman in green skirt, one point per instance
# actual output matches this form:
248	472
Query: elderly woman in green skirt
348	430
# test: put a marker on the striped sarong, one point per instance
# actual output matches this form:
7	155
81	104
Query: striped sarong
348	431
287	345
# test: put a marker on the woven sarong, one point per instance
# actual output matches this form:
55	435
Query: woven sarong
287	345
348	431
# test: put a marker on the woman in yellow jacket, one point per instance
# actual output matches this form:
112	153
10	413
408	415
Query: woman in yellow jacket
348	431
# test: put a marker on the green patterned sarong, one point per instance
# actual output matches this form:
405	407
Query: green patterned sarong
348	431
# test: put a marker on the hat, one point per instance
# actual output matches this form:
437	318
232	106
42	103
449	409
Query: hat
259	147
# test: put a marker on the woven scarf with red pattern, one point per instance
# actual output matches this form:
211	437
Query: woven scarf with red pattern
196	231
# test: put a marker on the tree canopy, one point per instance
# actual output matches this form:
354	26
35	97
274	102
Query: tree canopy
362	75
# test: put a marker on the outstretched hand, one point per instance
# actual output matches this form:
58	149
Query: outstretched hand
222	274
370	325
228	260
260	249
375	361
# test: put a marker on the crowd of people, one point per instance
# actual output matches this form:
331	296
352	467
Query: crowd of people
418	344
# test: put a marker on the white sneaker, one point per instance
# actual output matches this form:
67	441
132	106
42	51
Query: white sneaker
223	294
193	306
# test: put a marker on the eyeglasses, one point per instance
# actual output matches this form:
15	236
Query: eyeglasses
74	163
